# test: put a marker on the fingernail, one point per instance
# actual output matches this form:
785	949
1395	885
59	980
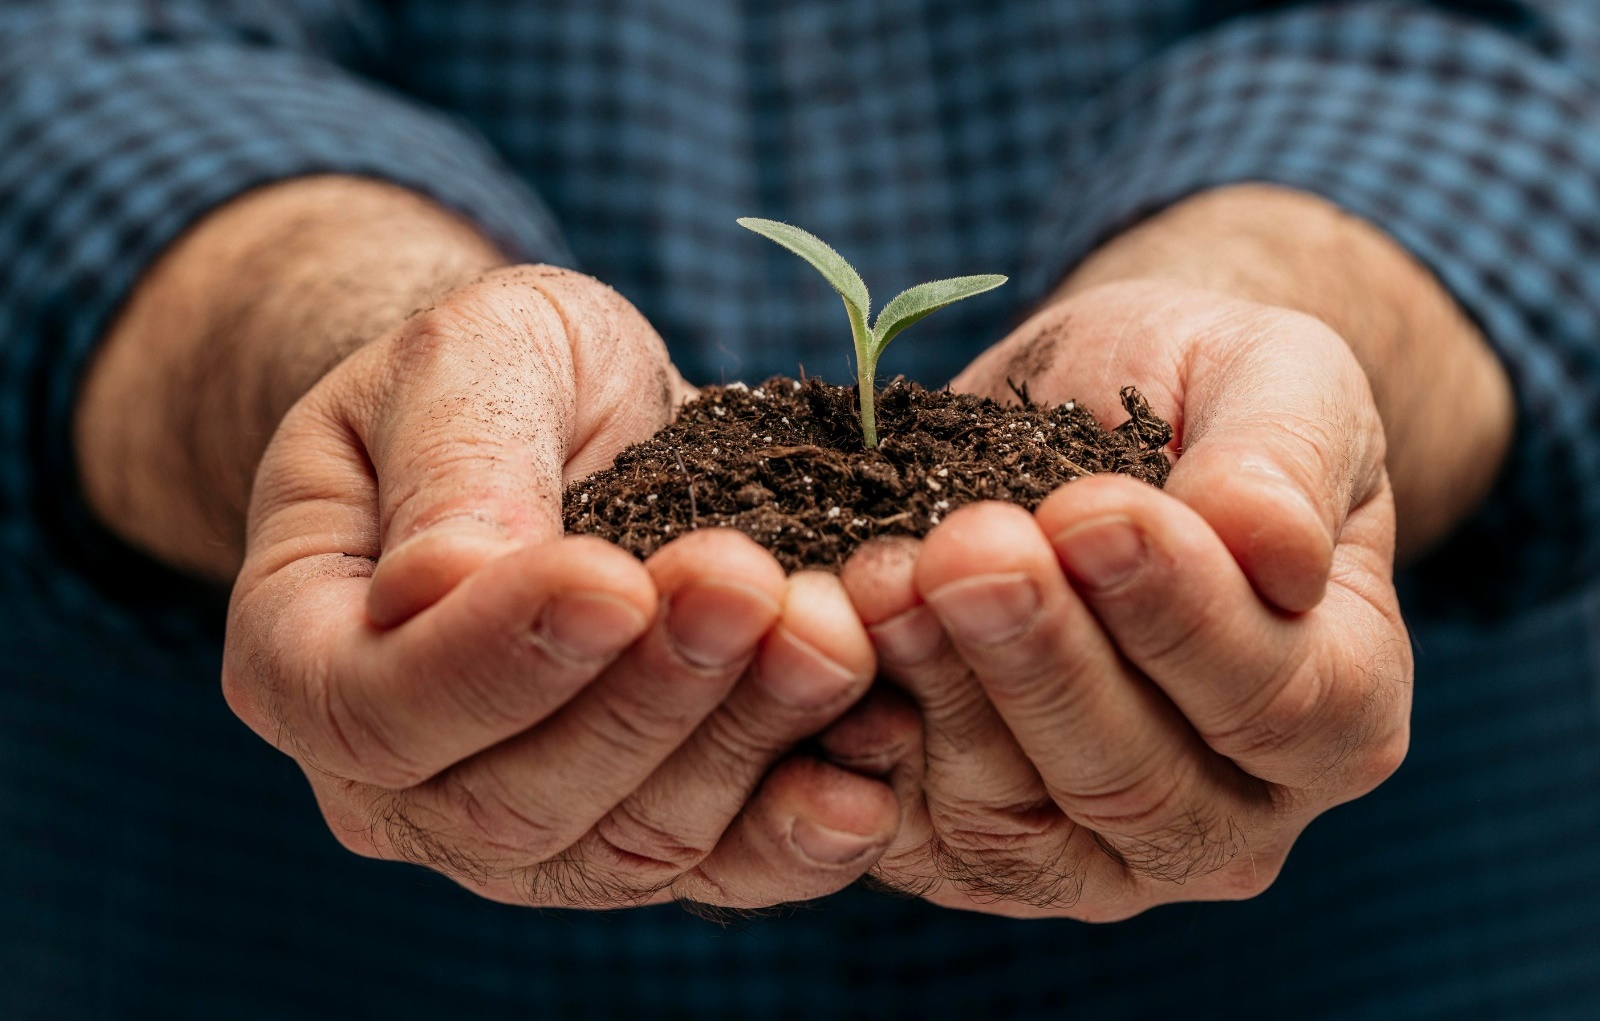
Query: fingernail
585	626
797	674
909	638
829	846
715	624
1102	553
988	609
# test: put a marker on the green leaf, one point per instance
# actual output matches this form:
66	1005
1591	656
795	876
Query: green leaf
924	299
814	250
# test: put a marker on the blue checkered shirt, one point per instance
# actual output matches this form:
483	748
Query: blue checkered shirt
156	860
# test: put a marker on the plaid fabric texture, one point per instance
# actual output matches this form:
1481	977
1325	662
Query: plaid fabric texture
156	860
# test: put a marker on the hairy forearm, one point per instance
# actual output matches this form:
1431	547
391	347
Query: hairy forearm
1444	398
236	321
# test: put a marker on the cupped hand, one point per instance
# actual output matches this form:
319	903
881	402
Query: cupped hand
1137	696
541	717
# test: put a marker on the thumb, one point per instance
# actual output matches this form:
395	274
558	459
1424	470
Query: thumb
476	407
1281	440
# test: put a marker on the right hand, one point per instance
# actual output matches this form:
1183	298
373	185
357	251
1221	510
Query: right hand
541	717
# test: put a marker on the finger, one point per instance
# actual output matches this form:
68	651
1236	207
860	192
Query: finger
1296	700
392	708
971	755
881	736
1112	751
532	796
811	667
811	830
997	831
1279	443
461	476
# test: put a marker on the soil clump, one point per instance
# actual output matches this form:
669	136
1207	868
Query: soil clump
783	462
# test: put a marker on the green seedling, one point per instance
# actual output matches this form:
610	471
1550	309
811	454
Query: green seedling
907	307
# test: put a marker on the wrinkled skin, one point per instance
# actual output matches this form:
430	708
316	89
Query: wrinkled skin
542	718
1134	696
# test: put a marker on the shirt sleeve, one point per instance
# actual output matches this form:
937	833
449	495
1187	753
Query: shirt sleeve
1468	132
122	122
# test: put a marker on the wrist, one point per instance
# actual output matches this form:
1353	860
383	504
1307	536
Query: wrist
1442	395
227	330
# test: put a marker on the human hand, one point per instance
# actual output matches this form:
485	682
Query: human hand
1137	696
540	717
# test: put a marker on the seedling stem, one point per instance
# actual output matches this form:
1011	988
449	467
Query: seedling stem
906	308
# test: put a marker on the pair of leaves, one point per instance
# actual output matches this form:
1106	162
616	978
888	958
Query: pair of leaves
907	307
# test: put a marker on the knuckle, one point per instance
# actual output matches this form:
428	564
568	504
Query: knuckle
609	733
1019	855
630	838
949	694
1369	722
482	700
969	826
913	871
1169	641
1050	881
261	682
506	298
1125	790
622	724
739	735
486	815
405	832
353	833
428	483
878	755
1106	914
1186	846
241	694
1023	677
351	744
1320	720
563	312
1290	706
1314	446
1154	826
449	333
956	735
1139	801
572	882
1246	877
1381	761
355	839
1038	680
700	891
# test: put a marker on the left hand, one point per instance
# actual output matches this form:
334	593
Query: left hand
1137	696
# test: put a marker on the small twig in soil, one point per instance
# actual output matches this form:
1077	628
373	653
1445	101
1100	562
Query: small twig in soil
694	509
1021	392
781	452
1075	466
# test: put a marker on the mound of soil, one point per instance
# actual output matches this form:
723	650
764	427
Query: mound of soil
783	462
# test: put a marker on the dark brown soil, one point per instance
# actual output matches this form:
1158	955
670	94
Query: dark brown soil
783	462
